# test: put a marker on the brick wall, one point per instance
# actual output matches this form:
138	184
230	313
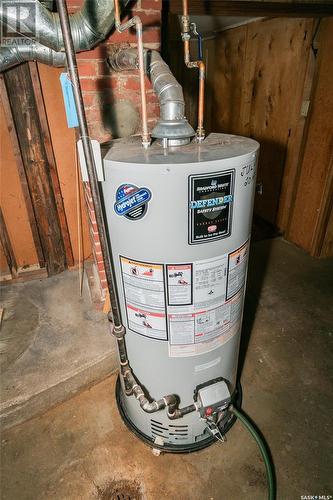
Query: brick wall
112	100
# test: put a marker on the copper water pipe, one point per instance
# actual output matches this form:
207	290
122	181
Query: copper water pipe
194	64
136	21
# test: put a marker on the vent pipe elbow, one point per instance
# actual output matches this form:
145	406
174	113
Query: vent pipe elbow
172	125
12	56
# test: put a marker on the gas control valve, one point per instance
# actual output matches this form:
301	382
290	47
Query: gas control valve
213	397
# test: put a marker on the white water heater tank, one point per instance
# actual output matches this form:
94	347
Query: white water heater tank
179	220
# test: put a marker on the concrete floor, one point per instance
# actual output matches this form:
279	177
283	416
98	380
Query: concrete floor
82	450
52	343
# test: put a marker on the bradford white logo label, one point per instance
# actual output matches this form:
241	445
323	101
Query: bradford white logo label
21	28
132	201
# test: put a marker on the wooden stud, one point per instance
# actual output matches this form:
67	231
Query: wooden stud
46	137
327	247
25	114
7	247
319	243
21	172
255	8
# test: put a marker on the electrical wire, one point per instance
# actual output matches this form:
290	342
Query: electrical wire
263	450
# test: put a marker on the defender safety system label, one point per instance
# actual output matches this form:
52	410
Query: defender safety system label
131	201
211	199
196	306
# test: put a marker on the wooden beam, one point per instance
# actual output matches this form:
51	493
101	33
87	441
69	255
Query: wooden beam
7	246
21	172
254	8
46	136
26	275
28	128
324	216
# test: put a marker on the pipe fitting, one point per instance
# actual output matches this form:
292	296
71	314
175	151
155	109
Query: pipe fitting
118	331
186	26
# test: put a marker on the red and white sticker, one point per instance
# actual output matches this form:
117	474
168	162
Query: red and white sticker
179	278
144	293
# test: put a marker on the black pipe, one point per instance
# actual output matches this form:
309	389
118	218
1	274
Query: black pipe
115	315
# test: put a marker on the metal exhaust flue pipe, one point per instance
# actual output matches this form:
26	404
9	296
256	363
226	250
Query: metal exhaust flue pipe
172	125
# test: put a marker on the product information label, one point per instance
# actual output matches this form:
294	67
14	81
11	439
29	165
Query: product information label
211	199
144	293
237	267
210	278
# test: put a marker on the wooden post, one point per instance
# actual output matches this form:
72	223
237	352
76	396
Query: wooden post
29	133
267	8
21	172
46	136
7	247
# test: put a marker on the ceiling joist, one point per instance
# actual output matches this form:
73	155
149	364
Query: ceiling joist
254	8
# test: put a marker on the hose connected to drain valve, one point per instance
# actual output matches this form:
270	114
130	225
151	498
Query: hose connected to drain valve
246	422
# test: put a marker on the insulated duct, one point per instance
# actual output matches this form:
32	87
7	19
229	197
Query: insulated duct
89	26
11	56
172	125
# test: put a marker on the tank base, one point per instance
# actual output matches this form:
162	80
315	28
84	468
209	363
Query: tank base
170	448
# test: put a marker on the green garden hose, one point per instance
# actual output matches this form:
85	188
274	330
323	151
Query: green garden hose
263	450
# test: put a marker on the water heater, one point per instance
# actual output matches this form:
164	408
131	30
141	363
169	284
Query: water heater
179	219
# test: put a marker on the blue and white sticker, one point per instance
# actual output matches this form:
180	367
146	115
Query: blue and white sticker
132	201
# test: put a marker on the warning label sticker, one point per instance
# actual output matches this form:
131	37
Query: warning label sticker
150	324
237	266
197	306
210	320
144	297
196	333
179	284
